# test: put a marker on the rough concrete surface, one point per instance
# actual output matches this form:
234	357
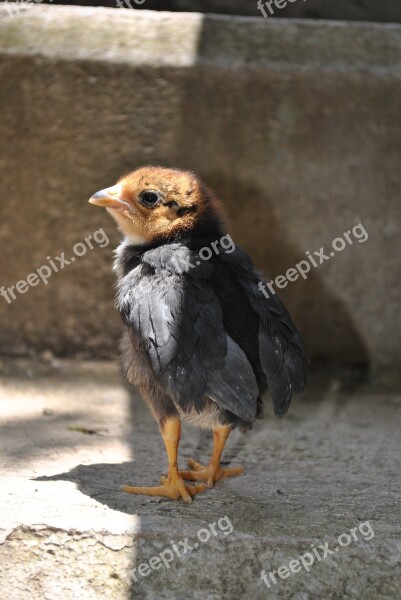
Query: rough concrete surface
67	532
295	123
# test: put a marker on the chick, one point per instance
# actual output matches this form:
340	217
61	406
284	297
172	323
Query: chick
201	341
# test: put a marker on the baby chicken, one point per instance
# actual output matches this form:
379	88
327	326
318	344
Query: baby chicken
201	342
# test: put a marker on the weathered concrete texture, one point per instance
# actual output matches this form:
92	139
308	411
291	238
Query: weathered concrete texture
67	532
296	124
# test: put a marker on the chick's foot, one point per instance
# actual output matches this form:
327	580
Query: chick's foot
172	487
210	474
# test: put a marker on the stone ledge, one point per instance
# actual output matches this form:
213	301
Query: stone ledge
148	38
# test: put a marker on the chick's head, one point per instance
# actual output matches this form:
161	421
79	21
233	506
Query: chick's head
158	203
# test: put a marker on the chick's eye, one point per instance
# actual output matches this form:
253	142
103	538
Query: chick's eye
149	198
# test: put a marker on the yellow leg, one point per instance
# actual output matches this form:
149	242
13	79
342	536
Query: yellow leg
213	472
173	485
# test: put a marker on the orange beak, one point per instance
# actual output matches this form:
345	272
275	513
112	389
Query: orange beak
110	198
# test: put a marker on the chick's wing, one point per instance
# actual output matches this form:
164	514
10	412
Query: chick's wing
167	303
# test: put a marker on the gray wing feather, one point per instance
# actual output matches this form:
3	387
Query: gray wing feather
179	321
281	350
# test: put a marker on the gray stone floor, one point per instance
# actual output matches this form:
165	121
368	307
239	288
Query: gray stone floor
72	435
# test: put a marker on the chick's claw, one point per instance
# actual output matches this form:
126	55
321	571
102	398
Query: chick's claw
210	474
174	489
192	490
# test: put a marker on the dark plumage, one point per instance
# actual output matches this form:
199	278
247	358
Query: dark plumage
201	340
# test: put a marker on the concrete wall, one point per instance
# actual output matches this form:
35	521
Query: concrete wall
296	124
